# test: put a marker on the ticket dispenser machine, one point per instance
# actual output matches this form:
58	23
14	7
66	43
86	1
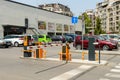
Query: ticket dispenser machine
27	52
65	54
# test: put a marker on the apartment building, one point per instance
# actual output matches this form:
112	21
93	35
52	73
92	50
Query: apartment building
109	12
58	8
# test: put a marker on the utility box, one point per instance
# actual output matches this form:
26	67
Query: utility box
91	48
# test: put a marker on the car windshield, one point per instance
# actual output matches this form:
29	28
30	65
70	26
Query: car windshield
114	36
101	38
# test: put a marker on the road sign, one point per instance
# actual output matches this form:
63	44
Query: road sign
74	20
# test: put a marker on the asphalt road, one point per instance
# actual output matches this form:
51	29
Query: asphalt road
12	67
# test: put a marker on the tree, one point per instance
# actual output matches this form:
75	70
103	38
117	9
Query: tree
98	29
87	21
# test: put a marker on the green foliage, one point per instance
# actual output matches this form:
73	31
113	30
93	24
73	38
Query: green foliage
87	21
98	30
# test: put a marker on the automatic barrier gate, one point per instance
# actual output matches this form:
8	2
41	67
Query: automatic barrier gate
65	54
30	52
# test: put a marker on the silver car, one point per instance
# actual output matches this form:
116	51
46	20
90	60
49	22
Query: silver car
5	43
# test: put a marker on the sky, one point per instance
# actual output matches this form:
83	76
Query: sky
76	6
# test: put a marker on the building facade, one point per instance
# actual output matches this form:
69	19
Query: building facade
109	13
58	8
15	17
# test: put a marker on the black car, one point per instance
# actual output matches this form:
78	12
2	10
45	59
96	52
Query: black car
58	38
5	43
68	39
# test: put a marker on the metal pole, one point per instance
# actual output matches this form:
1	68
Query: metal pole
82	30
99	54
74	31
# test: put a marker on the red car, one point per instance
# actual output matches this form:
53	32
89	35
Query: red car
104	45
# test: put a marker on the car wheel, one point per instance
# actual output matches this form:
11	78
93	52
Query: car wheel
16	44
105	47
78	47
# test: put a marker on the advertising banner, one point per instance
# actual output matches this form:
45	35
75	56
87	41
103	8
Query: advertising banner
51	27
42	25
59	27
66	28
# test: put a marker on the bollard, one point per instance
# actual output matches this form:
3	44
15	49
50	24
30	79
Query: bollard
40	53
83	54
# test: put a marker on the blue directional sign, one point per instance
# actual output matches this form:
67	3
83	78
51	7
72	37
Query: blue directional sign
74	20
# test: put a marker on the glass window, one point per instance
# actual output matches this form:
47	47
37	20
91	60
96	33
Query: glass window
40	36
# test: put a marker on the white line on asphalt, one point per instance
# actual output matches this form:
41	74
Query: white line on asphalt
112	75
117	67
104	79
72	73
115	70
119	64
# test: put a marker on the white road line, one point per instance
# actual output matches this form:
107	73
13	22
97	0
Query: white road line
119	64
72	73
115	70
113	75
117	67
104	79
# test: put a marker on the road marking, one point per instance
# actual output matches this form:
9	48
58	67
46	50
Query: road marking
104	79
72	73
112	75
117	66
115	70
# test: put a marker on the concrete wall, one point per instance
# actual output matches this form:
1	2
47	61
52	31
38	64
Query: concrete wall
13	13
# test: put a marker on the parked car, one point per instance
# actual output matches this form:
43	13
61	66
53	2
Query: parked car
112	37
44	38
35	39
58	38
111	40
104	45
16	40
68	39
5	43
72	35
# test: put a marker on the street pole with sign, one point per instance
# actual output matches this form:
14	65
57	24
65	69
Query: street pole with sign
74	21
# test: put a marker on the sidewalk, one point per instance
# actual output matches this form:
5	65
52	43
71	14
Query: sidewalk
115	52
